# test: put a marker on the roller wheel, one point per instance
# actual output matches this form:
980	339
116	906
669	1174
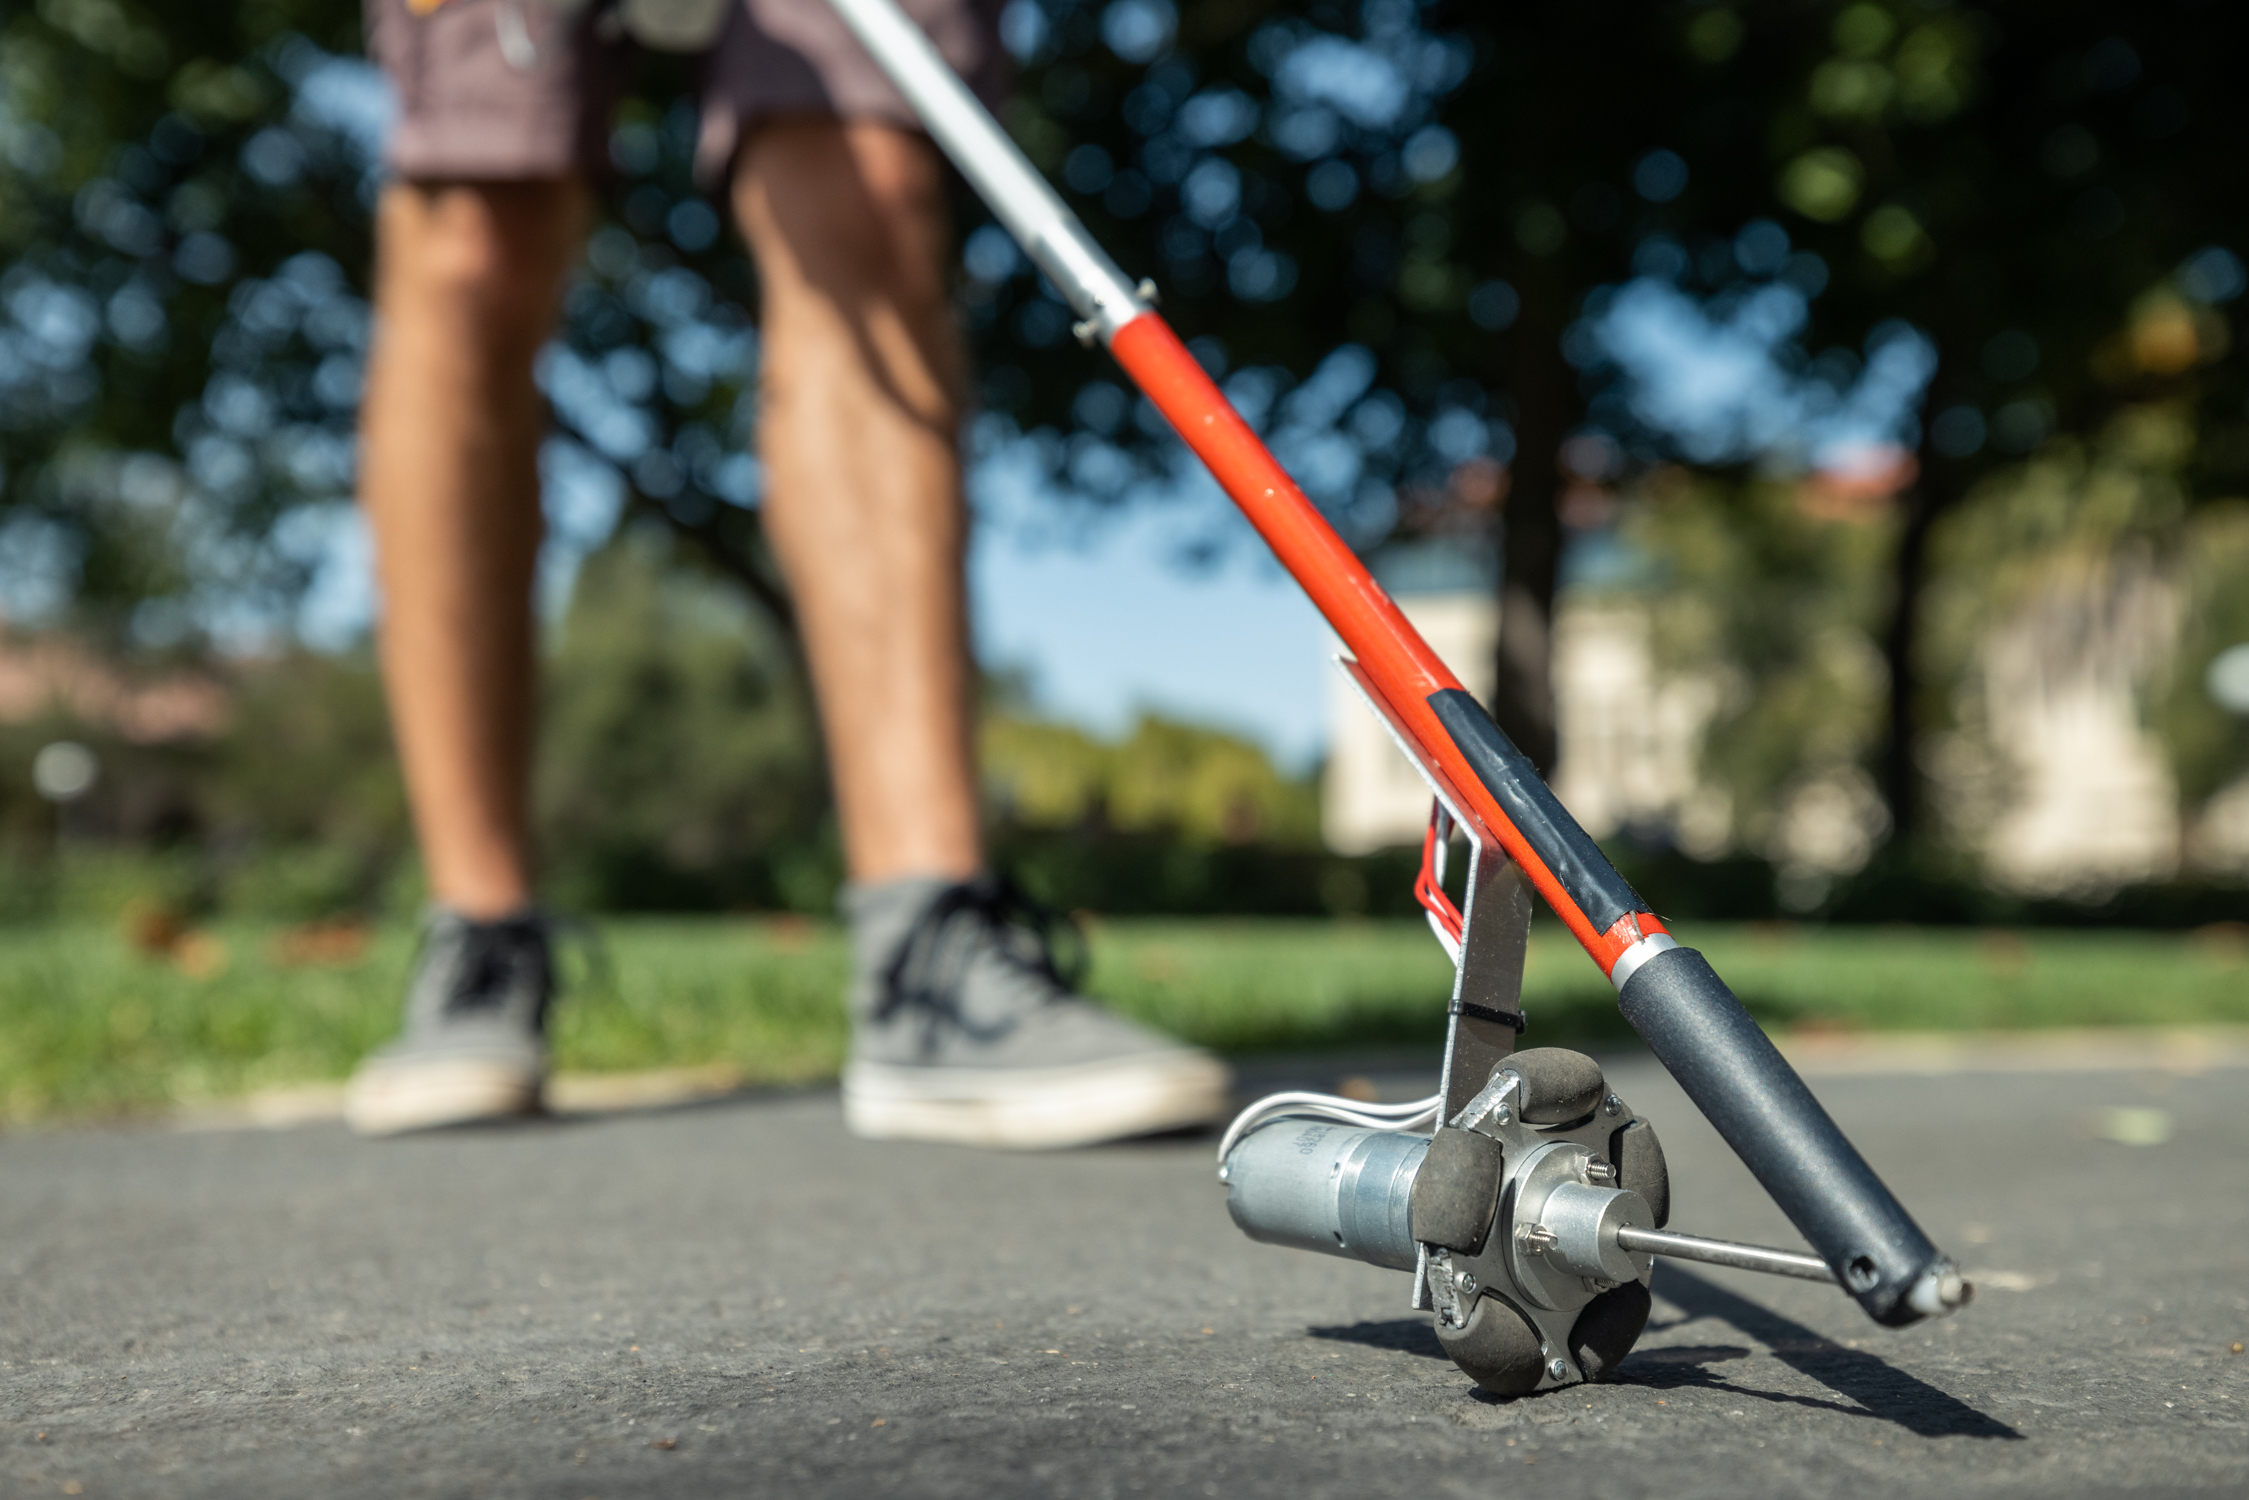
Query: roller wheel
1558	1086
1640	1166
1608	1328
1499	1349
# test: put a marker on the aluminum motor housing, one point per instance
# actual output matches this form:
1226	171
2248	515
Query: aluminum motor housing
1337	1189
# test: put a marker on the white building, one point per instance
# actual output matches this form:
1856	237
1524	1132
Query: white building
2060	784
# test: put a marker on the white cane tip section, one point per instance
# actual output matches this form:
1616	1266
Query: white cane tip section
1941	1292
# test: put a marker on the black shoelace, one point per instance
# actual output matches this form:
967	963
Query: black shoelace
932	964
495	955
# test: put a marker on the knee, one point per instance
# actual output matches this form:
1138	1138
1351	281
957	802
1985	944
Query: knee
489	255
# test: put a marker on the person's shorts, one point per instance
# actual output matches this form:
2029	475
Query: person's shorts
467	112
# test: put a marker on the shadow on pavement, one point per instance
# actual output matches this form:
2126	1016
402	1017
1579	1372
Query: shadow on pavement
1398	1335
1869	1384
1879	1388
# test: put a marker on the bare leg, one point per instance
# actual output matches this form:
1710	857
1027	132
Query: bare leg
466	286
861	409
863	380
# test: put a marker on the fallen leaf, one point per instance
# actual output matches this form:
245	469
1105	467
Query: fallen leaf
333	943
153	927
667	1444
199	955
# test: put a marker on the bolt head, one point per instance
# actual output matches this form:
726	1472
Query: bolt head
1558	1367
1612	1106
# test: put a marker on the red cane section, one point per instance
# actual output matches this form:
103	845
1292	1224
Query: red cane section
1388	648
1627	930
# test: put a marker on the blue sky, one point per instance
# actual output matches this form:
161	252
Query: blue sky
1112	623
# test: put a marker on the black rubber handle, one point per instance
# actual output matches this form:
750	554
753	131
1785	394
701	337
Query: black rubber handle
1739	1080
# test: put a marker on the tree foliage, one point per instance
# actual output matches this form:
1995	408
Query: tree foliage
1415	240
178	357
678	765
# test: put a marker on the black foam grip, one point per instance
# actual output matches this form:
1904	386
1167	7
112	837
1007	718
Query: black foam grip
1739	1080
1530	804
1456	1190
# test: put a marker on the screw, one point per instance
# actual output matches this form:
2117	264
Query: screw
1500	1116
1464	1281
1612	1106
1538	1237
1600	1171
1558	1367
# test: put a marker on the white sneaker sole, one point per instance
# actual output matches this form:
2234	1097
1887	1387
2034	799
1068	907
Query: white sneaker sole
1035	1108
390	1099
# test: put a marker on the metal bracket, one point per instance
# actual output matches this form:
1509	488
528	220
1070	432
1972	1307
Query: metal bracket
1487	993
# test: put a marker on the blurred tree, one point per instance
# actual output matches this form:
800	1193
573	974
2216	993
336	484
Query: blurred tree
1773	592
1042	774
305	763
1407	232
1405	235
2045	193
1201	785
186	235
677	761
178	356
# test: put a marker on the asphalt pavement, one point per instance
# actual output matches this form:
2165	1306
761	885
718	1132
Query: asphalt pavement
736	1298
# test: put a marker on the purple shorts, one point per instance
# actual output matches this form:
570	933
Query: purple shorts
467	112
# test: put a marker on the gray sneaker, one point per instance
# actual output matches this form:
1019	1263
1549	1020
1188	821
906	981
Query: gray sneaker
474	1046
965	1030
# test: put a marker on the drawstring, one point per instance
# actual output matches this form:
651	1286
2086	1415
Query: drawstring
514	34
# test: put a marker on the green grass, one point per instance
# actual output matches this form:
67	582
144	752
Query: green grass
89	1025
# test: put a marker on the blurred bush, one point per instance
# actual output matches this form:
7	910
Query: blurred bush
678	764
1776	600
1195	784
679	770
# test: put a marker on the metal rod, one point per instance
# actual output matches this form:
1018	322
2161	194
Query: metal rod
1725	1253
1002	176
